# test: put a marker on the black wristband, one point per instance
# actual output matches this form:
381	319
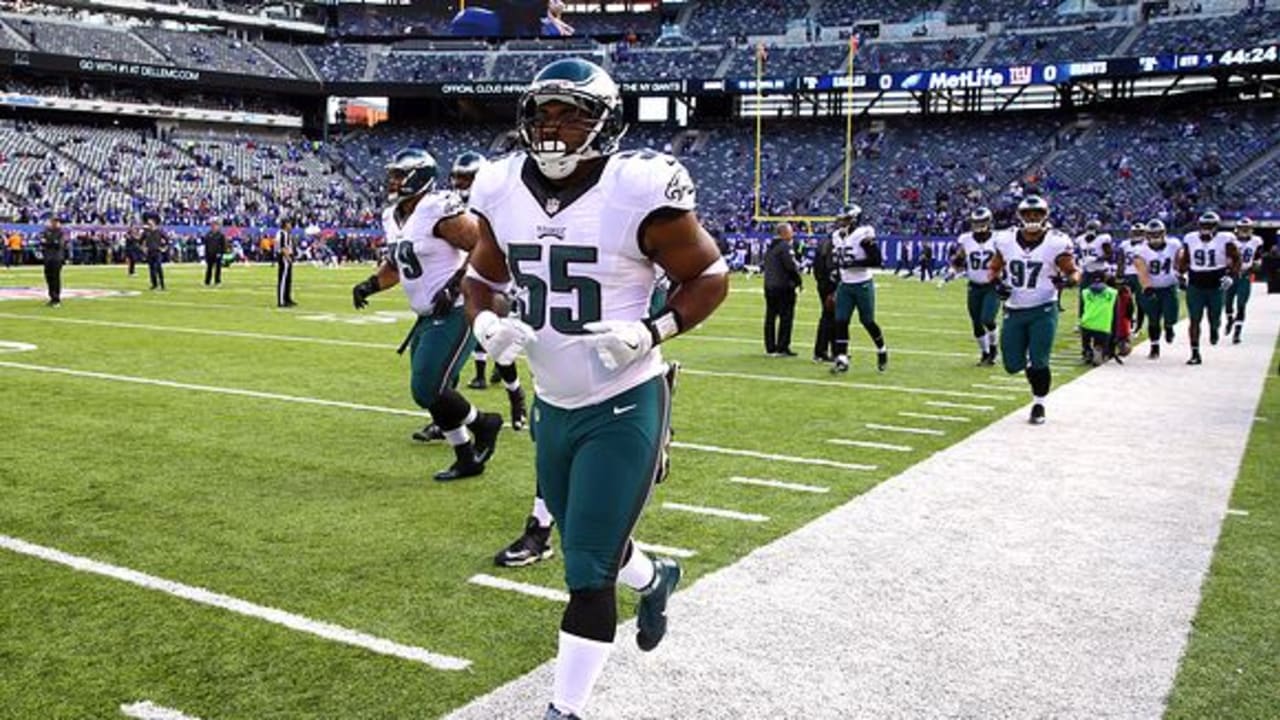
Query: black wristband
666	324
371	284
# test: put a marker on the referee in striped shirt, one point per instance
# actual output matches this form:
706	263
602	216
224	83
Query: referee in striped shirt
285	250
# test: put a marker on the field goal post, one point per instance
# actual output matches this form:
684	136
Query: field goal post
757	215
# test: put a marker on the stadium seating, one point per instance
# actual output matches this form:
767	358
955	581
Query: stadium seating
720	20
431	67
338	63
521	67
848	12
666	64
82	40
1057	46
213	51
1197	34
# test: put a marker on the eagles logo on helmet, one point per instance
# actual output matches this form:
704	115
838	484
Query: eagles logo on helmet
410	172
596	112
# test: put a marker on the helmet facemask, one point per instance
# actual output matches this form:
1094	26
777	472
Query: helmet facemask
562	126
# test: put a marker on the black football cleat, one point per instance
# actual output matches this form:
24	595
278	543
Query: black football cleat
478	383
555	714
531	547
486	429
840	364
1213	334
429	433
519	411
651	616
1155	353
466	465
1231	323
1168	334
1037	414
1235	337
882	360
1195	358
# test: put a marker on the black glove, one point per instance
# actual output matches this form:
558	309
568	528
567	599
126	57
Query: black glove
361	292
1004	291
446	297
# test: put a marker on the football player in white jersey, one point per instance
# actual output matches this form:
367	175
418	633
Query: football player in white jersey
972	258
1155	261
1250	247
429	235
582	230
1126	254
855	252
1209	257
1032	262
1093	253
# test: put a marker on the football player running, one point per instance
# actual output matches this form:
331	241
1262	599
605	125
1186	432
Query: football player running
1210	257
1156	262
428	237
1093	250
1032	262
582	230
855	252
1126	254
1250	247
972	257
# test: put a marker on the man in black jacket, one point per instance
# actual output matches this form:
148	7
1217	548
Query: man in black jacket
156	244
827	278
53	246
215	244
781	281
285	249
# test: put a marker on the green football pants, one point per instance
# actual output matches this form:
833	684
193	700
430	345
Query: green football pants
438	349
983	306
1027	334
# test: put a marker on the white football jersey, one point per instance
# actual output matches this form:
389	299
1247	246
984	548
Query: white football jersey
1030	271
1207	255
426	262
577	259
977	258
847	246
1130	250
1250	251
1162	264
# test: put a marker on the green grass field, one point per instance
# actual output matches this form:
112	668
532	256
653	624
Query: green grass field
328	511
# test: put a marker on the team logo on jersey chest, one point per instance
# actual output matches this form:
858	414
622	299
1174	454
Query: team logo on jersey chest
545	231
552	205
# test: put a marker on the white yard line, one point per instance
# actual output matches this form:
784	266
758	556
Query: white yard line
796	487
847	385
770	456
958	406
716	512
537	591
901	429
1020	584
929	416
699	335
1238	513
656	549
210	389
871	445
201	331
988	386
147	710
242	607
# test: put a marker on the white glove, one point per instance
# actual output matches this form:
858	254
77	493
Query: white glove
1226	282
502	337
619	343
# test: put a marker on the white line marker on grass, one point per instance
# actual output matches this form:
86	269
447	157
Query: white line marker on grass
235	605
872	445
958	406
210	388
847	385
989	386
716	512
775	458
797	487
538	591
899	428
147	710
1238	513
665	550
941	418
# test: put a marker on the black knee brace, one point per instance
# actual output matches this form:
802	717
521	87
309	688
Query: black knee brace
592	614
508	373
450	409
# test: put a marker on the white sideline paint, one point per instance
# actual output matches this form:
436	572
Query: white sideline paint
797	487
538	591
940	418
958	406
716	512
1016	381
202	331
146	710
699	335
988	386
235	605
1238	513
900	429
847	385
770	456
665	550
210	389
870	444
978	583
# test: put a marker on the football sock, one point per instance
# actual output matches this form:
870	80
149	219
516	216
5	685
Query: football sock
541	513
1041	380
638	572
984	343
991	339
1037	400
480	365
579	663
512	386
509	375
457	436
